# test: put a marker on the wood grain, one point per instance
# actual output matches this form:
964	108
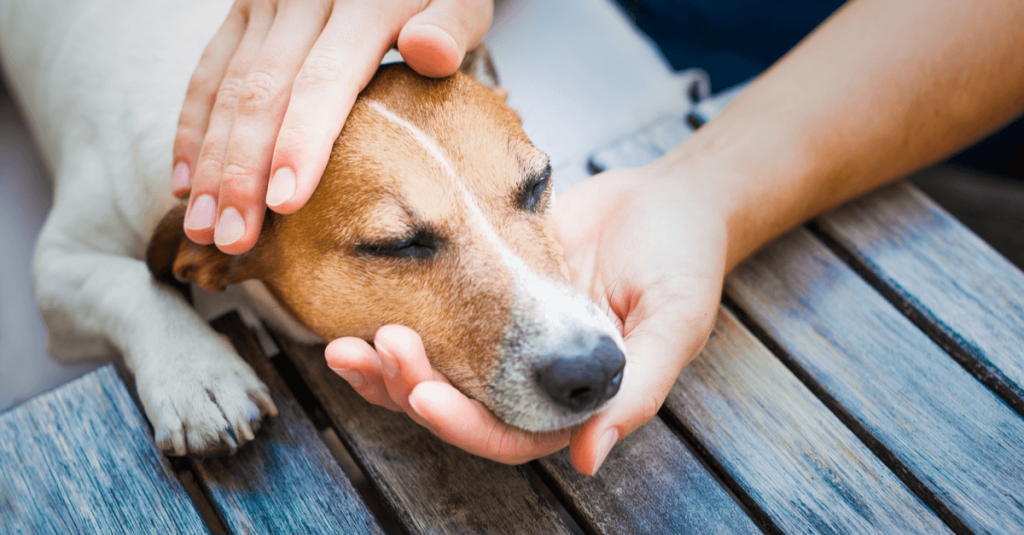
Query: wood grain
787	456
650	483
286	480
970	297
642	147
429	486
906	397
80	459
791	456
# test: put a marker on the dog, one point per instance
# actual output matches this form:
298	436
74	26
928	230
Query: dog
433	213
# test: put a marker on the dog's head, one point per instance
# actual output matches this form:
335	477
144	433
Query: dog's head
433	213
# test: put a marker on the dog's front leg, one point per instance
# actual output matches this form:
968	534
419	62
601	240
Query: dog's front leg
200	396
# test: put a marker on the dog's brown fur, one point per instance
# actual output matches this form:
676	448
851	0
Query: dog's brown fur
379	186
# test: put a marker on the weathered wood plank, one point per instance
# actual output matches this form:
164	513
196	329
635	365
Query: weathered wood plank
642	147
962	444
791	456
650	142
286	480
969	297
650	483
788	456
80	459
429	486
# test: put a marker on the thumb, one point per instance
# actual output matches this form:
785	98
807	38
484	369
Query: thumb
656	352
434	41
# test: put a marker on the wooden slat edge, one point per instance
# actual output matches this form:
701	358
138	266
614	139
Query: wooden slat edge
650	483
785	451
950	283
286	480
86	462
948	436
430	486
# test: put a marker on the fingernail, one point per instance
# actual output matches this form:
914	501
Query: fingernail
390	365
202	213
282	187
353	377
230	227
604	446
179	178
412	403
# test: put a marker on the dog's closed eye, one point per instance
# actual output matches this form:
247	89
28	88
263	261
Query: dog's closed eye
533	190
421	245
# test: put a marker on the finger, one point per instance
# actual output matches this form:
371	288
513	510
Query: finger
352	359
358	364
434	42
377	393
403	360
258	114
656	353
465	423
336	70
199	98
202	210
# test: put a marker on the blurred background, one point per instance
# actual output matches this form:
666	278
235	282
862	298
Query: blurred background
581	73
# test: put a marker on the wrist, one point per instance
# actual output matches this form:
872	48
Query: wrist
756	180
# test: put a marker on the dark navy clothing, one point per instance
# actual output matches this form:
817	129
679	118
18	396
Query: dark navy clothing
734	40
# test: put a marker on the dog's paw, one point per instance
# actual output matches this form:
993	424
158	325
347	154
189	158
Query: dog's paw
209	405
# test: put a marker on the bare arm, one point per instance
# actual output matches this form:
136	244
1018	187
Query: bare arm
881	89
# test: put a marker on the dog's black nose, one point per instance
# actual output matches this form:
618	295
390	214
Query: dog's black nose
583	379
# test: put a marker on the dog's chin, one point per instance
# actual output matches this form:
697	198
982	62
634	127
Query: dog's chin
531	410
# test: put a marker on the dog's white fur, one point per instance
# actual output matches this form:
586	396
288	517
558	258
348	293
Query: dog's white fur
101	83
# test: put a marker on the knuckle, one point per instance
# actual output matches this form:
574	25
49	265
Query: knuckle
286	139
188	137
188	130
323	68
228	92
648	409
210	161
237	177
201	81
259	92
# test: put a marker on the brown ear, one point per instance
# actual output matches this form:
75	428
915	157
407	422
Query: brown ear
477	65
173	258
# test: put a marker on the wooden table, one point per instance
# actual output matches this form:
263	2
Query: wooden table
865	375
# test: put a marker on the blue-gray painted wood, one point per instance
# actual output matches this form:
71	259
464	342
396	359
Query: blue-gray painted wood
642	147
786	454
650	483
785	451
963	443
936	267
429	486
80	459
286	480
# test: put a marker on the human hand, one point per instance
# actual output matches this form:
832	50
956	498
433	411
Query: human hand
397	375
662	292
273	89
649	247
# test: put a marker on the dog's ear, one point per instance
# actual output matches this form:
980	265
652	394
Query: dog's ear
174	259
478	65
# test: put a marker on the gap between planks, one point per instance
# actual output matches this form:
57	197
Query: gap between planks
881	452
958	349
761	518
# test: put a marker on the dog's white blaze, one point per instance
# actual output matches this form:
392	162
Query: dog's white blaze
536	286
560	312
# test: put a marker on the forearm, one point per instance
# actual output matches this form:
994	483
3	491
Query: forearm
881	89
